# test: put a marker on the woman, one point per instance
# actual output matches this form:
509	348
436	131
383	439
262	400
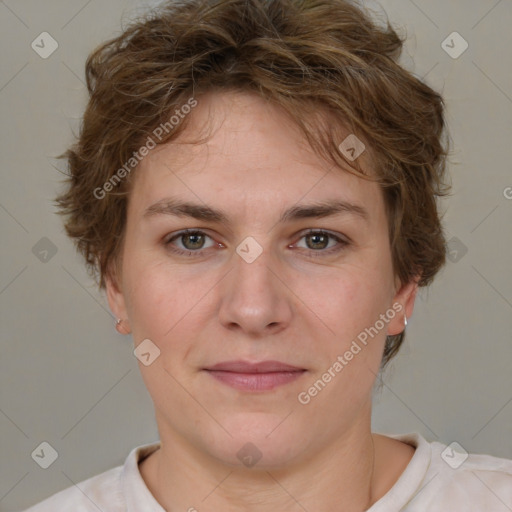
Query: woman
255	184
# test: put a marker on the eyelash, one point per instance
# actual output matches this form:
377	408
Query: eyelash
343	243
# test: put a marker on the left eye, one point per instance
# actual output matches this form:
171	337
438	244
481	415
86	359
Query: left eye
320	240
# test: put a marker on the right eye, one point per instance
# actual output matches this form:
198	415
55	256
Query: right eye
191	240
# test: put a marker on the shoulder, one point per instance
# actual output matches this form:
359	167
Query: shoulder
475	481
445	478
100	492
111	491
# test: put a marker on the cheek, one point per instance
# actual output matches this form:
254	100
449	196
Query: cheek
168	303
349	304
157	296
346	300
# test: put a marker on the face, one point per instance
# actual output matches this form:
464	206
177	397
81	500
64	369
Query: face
270	270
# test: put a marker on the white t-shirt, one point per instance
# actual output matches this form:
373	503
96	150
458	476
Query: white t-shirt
437	479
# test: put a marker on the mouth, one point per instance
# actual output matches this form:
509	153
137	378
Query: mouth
262	376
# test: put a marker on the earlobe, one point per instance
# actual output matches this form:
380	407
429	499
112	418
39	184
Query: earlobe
117	304
122	326
405	298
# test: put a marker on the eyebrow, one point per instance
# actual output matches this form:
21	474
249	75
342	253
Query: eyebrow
319	209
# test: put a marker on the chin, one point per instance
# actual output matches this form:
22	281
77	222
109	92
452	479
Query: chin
259	441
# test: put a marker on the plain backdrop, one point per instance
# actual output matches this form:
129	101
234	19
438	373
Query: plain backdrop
68	379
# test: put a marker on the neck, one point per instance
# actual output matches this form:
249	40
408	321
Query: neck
339	476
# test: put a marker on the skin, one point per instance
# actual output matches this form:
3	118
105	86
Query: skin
295	303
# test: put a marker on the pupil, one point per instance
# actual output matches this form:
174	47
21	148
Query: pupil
198	240
323	237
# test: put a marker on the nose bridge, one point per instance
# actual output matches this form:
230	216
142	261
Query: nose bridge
253	297
253	266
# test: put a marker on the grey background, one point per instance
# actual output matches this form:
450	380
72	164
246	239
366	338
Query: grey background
69	379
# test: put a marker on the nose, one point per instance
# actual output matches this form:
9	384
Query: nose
254	299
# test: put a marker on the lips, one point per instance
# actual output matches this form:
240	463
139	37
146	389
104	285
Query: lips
262	367
262	376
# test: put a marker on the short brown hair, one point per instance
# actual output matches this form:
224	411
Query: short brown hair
318	59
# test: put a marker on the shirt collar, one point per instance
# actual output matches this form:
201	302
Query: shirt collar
138	496
412	478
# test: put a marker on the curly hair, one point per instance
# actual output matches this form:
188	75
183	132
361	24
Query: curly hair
328	63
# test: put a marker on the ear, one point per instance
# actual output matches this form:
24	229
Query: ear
405	297
116	301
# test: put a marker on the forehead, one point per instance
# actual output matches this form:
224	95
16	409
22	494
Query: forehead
253	156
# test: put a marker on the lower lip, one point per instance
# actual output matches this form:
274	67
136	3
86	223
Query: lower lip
255	381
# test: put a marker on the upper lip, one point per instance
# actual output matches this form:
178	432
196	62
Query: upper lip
261	367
